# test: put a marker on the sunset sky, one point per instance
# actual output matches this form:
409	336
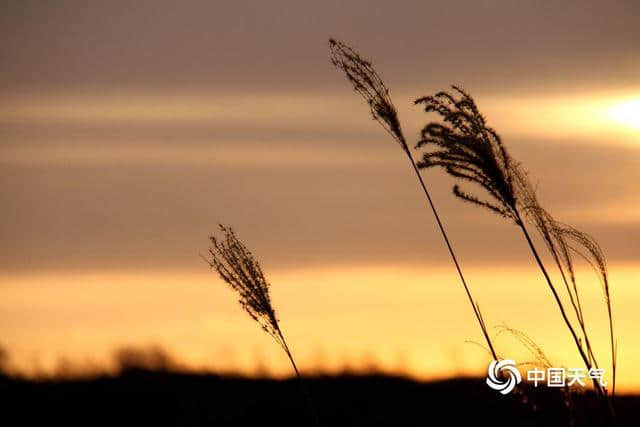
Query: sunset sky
131	129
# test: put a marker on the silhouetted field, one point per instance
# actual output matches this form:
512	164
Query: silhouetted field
156	398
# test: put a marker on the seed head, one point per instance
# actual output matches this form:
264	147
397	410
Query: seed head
370	86
241	271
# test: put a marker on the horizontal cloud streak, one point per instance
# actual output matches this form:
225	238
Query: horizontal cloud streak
140	205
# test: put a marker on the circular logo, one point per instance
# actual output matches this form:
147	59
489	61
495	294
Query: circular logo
503	376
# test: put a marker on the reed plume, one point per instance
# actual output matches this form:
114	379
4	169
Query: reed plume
472	152
370	86
366	82
237	266
587	248
539	356
563	242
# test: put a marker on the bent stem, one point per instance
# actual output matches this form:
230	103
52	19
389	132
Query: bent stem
574	298
596	384
567	322
474	305
303	387
614	351
369	85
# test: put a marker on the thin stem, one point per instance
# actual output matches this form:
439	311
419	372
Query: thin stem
303	387
576	306
614	352
476	309
520	223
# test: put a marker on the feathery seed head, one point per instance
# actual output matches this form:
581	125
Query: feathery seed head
241	271
370	86
469	150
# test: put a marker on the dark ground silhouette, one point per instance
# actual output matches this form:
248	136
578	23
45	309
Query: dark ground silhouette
163	398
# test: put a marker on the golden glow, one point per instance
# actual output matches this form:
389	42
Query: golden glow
403	319
592	118
597	115
627	113
399	319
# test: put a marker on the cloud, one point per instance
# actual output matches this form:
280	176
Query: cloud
144	205
282	44
129	132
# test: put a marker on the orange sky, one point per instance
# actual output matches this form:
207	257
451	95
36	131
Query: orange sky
129	134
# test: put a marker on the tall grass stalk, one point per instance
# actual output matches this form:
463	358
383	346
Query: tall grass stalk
237	266
471	151
366	82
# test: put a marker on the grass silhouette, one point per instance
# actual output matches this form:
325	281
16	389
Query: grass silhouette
470	151
366	81
237	266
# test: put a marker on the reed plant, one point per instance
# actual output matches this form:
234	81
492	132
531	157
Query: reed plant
470	151
237	266
368	84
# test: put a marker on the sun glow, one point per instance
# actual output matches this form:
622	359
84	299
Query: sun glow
627	113
588	115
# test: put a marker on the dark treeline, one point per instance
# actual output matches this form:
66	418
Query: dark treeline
168	398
